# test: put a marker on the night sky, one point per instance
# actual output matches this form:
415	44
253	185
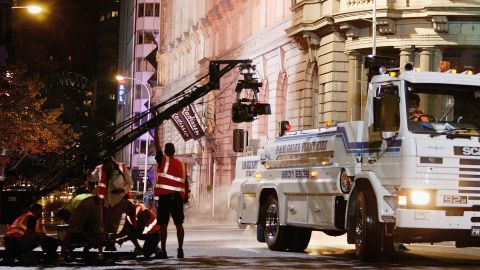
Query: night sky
66	28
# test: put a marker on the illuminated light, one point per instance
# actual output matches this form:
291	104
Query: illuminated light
328	123
258	176
468	72
313	174
402	200
419	197
453	71
34	9
325	163
418	69
392	74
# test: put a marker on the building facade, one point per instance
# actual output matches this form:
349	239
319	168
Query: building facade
310	57
139	24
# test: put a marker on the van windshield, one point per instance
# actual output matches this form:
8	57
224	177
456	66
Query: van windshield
443	109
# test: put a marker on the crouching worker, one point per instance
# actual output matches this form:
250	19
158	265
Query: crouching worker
140	223
83	215
25	234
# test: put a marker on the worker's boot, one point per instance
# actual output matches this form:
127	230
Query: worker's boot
161	254
180	254
8	255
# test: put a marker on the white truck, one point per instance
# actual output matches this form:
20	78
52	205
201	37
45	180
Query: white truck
392	178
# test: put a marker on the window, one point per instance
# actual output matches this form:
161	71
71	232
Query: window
149	10
102	18
140	38
141	10
146	37
111	96
114	13
139	146
138	91
143	65
389	108
157	10
443	109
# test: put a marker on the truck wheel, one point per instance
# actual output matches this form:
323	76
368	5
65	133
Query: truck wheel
275	235
299	239
367	230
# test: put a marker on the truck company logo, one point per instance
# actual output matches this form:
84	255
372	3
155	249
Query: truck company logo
466	151
304	147
249	164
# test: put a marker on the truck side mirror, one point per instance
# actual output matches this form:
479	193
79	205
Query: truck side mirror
377	114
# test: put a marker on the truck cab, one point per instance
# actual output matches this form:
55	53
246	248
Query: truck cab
426	125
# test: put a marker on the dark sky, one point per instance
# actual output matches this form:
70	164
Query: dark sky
66	28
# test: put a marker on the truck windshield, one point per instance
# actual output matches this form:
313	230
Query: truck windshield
438	109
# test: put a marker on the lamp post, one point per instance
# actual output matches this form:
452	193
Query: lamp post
122	78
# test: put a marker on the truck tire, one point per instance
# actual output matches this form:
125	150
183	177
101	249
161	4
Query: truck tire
276	236
299	239
367	231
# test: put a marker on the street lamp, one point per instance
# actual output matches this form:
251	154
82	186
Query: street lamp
122	78
32	8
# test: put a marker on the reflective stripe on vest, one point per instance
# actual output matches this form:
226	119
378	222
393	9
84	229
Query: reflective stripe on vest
19	226
150	225
102	185
166	182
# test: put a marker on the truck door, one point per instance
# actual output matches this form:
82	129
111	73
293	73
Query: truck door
381	143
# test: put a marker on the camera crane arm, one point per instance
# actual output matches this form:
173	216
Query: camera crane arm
108	147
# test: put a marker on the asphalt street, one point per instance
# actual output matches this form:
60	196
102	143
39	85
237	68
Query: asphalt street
224	246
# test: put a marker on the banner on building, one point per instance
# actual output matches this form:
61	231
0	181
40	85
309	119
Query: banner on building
187	124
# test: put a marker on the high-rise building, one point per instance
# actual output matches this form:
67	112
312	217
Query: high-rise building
139	24
107	64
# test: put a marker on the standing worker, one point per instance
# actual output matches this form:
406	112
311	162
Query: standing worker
114	183
83	216
140	223
171	192
25	234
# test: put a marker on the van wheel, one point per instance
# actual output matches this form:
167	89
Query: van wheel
275	235
367	230
299	239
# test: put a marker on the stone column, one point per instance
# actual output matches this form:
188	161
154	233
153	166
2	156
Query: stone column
354	98
406	55
426	58
437	59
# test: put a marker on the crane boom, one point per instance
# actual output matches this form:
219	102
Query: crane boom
111	141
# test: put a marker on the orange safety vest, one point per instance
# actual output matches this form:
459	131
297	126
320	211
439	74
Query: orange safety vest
151	226
102	185
170	177
415	117
19	226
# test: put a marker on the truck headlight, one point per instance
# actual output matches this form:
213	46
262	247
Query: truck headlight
416	199
420	197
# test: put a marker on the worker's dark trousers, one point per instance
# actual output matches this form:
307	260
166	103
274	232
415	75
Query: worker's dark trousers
16	247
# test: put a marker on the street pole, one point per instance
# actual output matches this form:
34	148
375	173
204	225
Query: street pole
374	29
149	93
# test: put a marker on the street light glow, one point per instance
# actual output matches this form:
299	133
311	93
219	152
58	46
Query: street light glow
120	78
32	8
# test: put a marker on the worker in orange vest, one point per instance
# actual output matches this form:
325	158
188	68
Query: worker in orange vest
140	223
170	191
414	113
114	182
25	234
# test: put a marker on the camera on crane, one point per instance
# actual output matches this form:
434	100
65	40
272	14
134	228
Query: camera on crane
248	109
